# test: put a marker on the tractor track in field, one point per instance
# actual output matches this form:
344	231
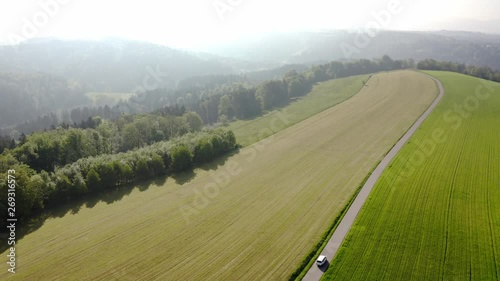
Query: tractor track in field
314	273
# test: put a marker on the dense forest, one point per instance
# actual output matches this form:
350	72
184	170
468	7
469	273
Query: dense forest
6	142
28	96
48	149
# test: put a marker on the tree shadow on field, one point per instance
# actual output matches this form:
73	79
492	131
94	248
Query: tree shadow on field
188	176
158	181
111	195
74	205
219	161
184	177
116	194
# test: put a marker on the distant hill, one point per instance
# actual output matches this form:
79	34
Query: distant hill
114	65
43	76
117	65
488	26
313	47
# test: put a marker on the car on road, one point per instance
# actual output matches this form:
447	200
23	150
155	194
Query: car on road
321	260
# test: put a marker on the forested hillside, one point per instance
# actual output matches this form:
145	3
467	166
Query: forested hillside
28	96
113	65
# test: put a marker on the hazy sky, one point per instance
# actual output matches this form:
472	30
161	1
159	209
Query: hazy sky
193	23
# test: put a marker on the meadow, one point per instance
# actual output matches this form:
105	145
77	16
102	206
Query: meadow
322	96
435	212
253	215
101	98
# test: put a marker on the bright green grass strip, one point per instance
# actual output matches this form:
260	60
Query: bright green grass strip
435	212
319	99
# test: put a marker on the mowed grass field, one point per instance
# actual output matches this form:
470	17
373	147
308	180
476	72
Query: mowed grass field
323	96
254	217
435	213
107	97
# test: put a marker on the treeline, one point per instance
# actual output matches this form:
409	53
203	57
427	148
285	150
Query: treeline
49	149
76	117
480	72
35	190
275	73
253	78
79	117
211	81
6	142
244	100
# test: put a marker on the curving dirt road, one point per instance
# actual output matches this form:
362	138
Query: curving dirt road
340	233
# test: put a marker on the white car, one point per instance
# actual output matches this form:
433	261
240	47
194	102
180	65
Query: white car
321	260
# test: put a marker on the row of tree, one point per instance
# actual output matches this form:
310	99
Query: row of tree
246	100
480	72
76	117
35	190
80	117
278	93
48	149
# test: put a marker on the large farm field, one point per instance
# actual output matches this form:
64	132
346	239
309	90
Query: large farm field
435	212
253	216
323	96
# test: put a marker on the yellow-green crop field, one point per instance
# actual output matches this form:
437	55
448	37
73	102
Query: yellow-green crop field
435	212
254	215
323	96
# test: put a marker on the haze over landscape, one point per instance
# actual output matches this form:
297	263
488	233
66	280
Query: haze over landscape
250	140
194	24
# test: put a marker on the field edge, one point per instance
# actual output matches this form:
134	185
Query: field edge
324	240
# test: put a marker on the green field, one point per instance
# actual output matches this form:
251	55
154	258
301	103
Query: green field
110	99
435	213
323	96
252	216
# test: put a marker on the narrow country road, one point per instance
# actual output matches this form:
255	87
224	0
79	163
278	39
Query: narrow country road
340	233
